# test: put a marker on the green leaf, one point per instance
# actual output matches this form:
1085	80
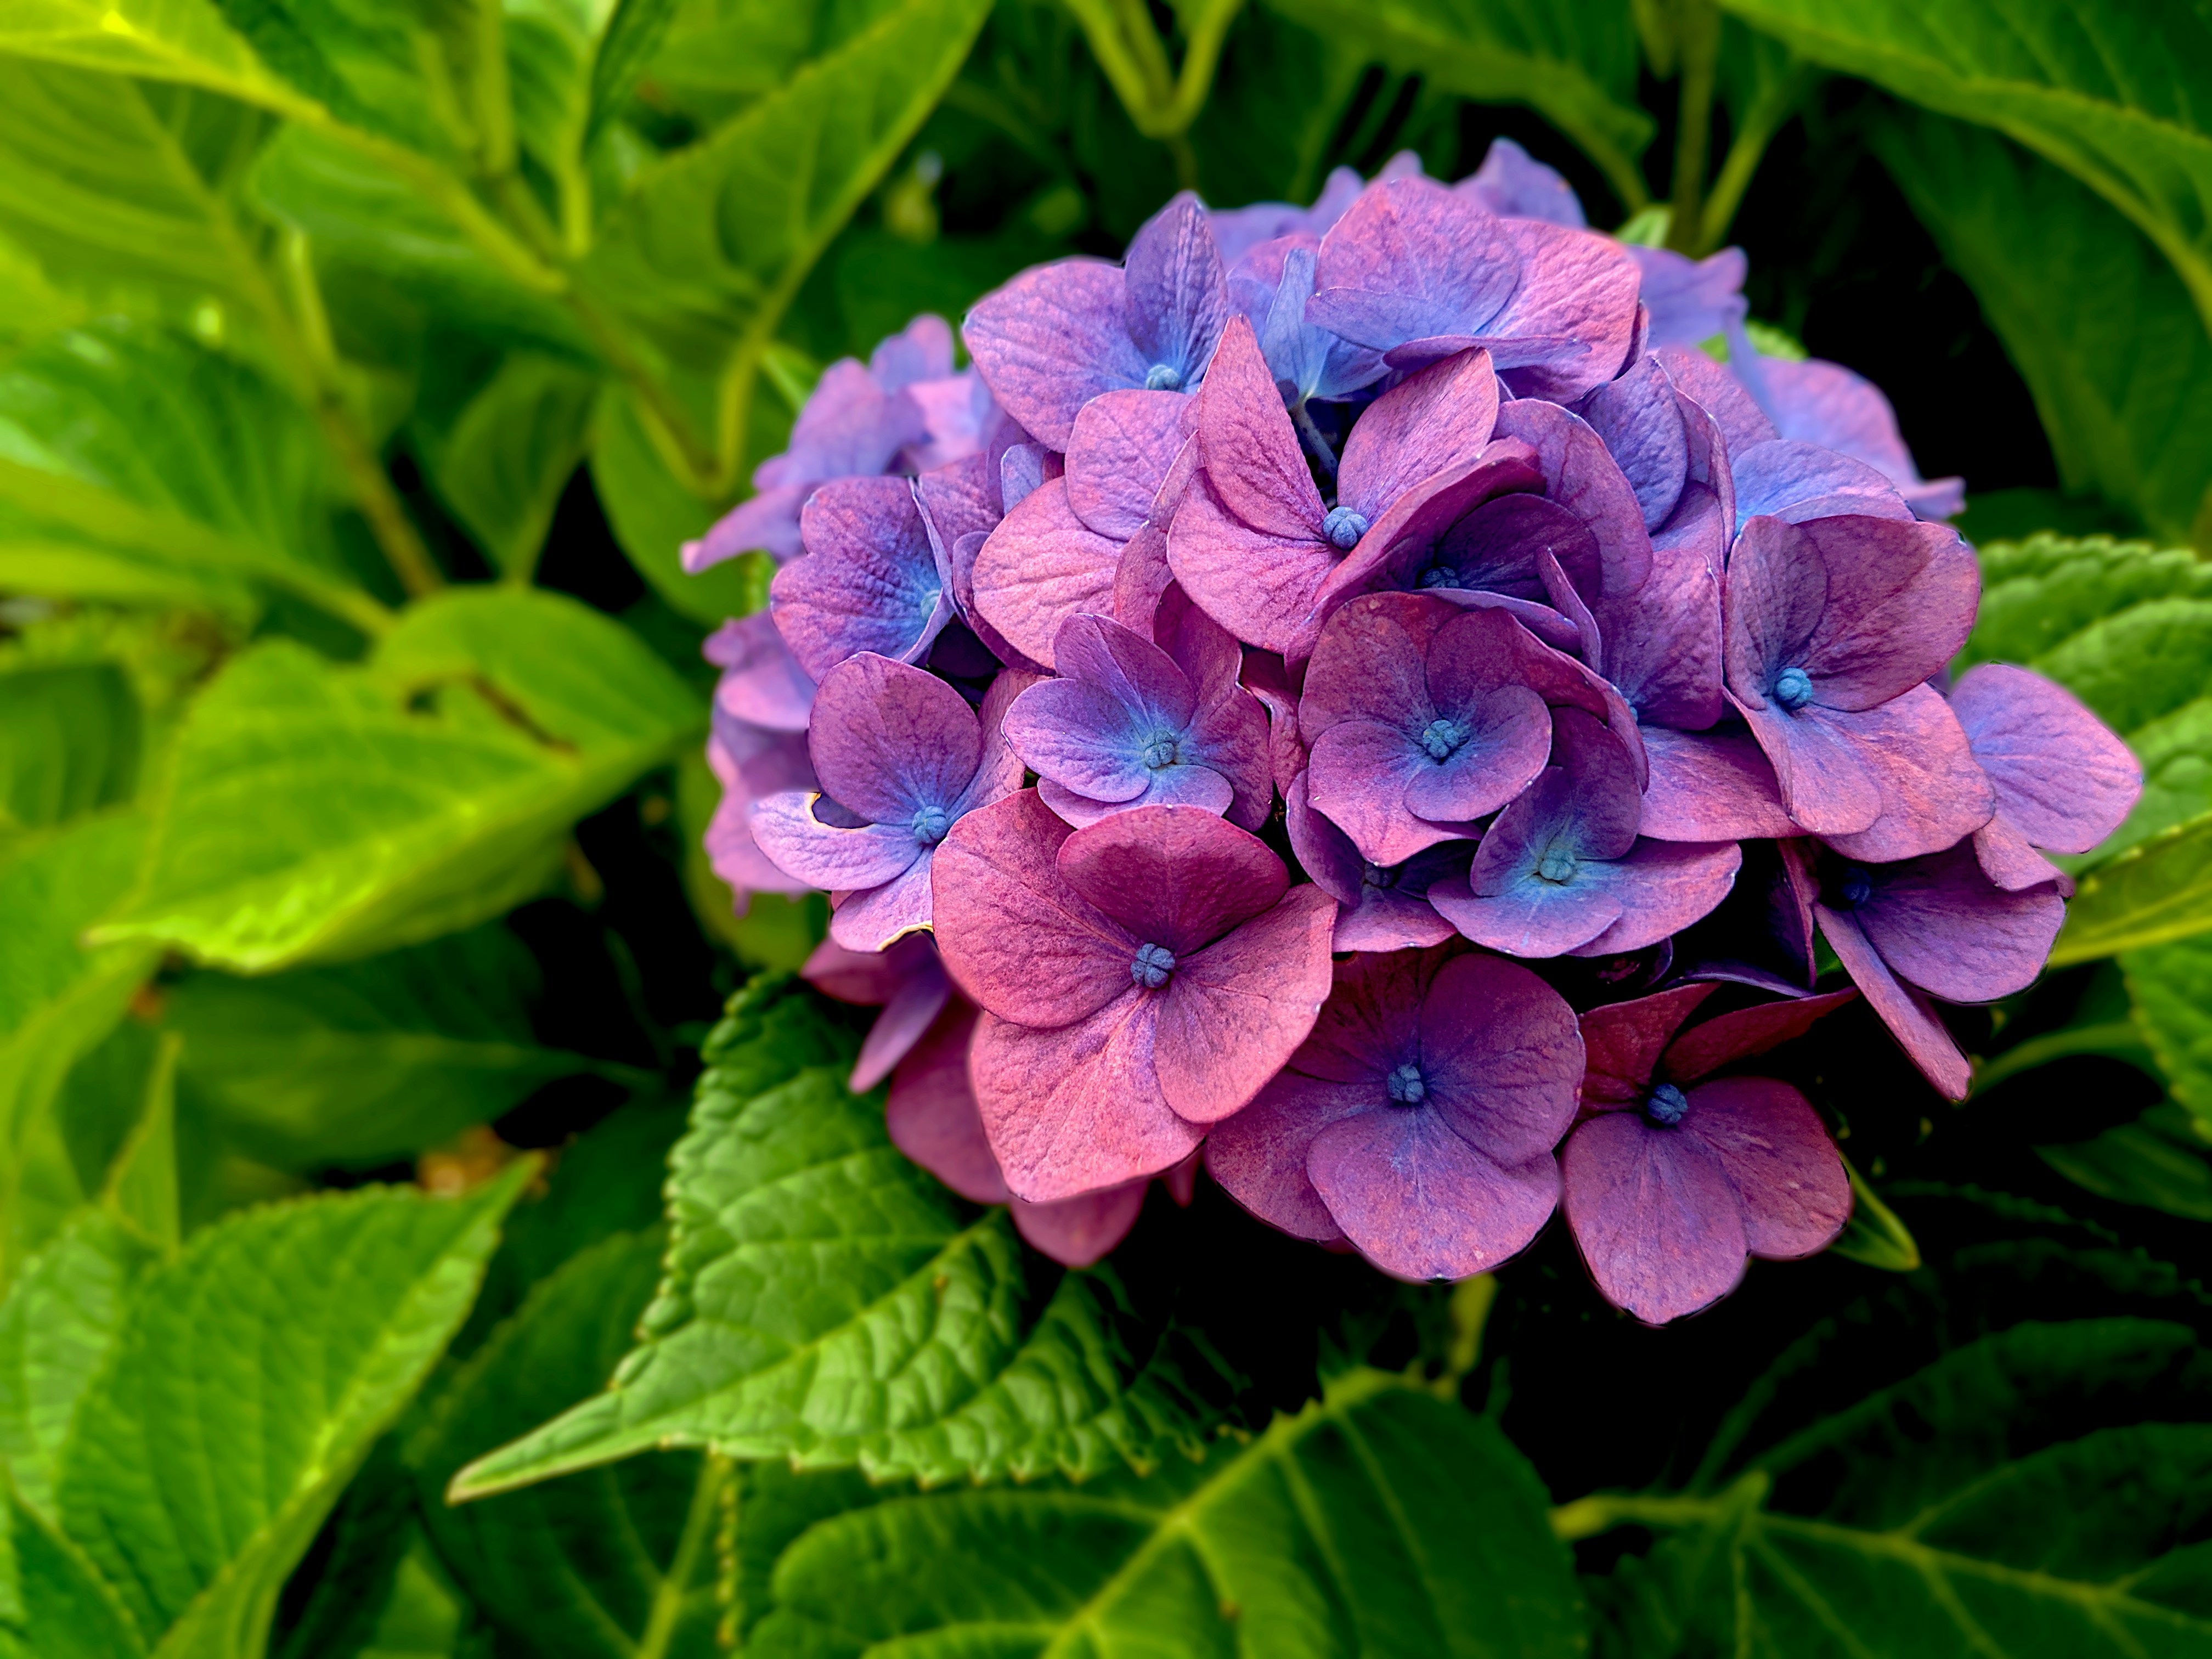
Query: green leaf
57	1326
2162	1160
633	35
369	1061
61	1609
2171	986
652	515
829	1303
705	253
320	811
2153	894
2018	1497
537	1561
1381	1522
2118	95
2114	350
69	743
503	465
141	1189
135	464
1874	1237
183	40
2127	629
283	1341
1575	64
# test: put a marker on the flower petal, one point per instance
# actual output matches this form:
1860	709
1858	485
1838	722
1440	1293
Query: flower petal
1178	877
2062	781
1902	1008
1431	422
1934	792
1788	1175
1259	1156
1710	785
871	581
1040	567
804	849
1747	1031
1654	1215
1121	449
931	1114
1939	922
888	740
1077	1231
1502	1056
1051	340
1235	1012
1420	1203
1624	1041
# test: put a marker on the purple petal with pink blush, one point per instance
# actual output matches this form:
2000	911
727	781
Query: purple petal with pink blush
1421	1204
1640	420
1123	445
1410	260
761	682
1176	297
1040	567
890	741
1794	482
826	856
1710	785
920	998
959	498
1939	922
1826	404
1195	786
1911	1020
1172	876
1380	909
1051	340
1076	735
1076	1232
875	918
871	581
1512	183
1578	289
2062	781
769	523
1663	886
1654	1216
1270	285
1934	792
1624	1042
931	1114
1582	476
2007	860
1719	393
1076	1108
1706	1048
1014	935
1500	1054
1691	300
1357	776
922	350
1826	788
1430	423
1233	1012
1794	1192
1259	1156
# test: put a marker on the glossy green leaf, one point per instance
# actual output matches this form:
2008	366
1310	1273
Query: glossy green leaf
502	467
59	1608
137	463
59	1320
1575	64
69	743
829	1303
2018	1497
2127	629
2162	1160
367	1061
1874	1236
2120	96
652	515
538	1561
2153	894
2114	352
183	40
1380	1521
283	1341
2172	989
322	812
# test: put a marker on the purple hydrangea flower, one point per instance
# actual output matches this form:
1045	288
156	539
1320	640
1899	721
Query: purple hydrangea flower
1934	924
933	1119
901	758
1416	723
1418	272
873	580
761	682
1063	549
1270	285
751	763
1141	978
1831	622
905	979
1562	870
1378	908
1515	184
1826	404
859	421
1418	1120
1131	724
1060	335
1237	231
2063	781
1674	1179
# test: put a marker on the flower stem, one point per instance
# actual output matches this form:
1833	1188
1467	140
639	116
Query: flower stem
1698	24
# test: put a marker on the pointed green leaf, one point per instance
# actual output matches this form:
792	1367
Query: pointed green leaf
365	1061
56	1325
60	1608
281	1342
1575	64
2120	96
503	465
318	812
69	743
1875	1237
828	1303
1380	1523
137	463
2114	351
536	1560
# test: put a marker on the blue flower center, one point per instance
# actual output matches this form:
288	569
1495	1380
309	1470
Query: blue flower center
1344	527
1162	377
930	825
1856	886
1162	751
1558	865
1439	575
1793	689
1152	965
1405	1087
1442	737
1666	1104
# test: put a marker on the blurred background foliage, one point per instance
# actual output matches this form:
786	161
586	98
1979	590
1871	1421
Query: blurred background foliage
361	367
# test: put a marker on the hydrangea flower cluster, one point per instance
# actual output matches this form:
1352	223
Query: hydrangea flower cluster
1345	694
